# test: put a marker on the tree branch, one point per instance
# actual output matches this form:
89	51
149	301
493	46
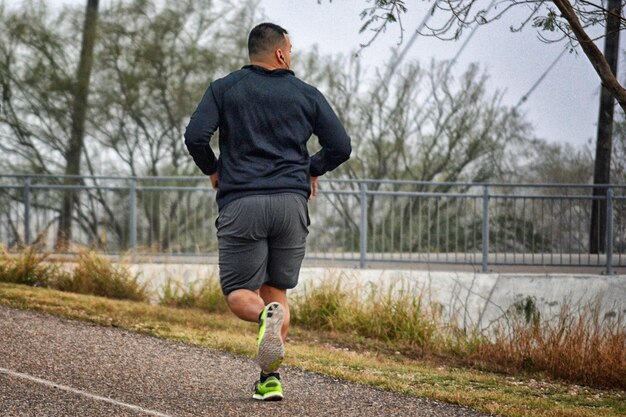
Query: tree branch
593	53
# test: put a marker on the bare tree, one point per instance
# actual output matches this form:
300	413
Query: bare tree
422	124
75	146
619	174
558	20
40	83
152	62
418	124
619	156
154	65
38	52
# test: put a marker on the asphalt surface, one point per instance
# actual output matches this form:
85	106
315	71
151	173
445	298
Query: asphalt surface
56	367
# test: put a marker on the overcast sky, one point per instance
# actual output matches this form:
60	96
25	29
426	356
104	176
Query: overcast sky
564	108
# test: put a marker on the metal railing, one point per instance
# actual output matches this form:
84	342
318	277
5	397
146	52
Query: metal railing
361	221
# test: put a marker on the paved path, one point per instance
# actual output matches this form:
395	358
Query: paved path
56	367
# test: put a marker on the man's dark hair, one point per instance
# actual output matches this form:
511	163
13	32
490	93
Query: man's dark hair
265	38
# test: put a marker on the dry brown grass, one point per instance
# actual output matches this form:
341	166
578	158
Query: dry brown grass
96	275
93	274
397	316
204	294
580	345
28	267
494	393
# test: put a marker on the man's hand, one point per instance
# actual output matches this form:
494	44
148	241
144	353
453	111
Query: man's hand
214	180
313	187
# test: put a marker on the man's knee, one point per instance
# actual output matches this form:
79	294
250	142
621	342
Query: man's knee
238	296
270	293
244	303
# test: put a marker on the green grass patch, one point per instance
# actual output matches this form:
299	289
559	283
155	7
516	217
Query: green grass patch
328	352
580	346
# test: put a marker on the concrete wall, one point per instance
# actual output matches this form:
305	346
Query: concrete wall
475	300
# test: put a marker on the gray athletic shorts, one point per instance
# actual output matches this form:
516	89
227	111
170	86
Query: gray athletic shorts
261	240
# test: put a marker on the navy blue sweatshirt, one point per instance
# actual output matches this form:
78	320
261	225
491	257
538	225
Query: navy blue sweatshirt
265	119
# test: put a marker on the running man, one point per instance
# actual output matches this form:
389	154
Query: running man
264	177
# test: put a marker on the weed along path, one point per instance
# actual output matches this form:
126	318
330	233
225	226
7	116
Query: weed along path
51	366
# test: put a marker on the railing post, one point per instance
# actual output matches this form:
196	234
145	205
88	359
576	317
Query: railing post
27	238
363	225
132	232
485	229
609	231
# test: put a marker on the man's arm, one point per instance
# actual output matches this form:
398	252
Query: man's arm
333	138
313	187
204	122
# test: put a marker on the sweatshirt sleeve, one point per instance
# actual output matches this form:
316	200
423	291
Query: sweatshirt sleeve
203	124
333	139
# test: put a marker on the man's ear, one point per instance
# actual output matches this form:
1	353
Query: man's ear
280	56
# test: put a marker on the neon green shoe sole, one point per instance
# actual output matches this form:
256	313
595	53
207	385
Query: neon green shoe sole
270	390
270	348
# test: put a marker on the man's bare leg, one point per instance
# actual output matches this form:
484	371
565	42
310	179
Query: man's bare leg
246	304
270	294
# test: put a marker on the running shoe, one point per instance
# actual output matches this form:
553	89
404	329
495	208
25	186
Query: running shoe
268	388
270	348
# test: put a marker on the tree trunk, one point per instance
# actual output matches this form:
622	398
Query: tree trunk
79	111
604	145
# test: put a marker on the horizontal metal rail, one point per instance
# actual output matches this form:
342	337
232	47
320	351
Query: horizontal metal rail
322	181
356	220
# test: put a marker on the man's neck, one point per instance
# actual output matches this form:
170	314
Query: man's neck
265	65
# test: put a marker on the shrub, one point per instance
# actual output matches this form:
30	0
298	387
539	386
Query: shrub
97	276
204	294
322	306
28	268
395	315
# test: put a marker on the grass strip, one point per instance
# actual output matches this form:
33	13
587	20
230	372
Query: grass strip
326	352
